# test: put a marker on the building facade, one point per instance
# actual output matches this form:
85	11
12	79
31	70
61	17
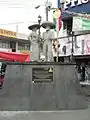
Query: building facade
12	42
76	42
80	39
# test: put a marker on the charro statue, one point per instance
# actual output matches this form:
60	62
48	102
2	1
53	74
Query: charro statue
34	42
47	37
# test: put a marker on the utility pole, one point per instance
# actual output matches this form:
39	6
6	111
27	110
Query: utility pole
39	33
47	10
72	50
17	30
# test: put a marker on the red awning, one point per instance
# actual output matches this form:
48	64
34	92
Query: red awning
13	56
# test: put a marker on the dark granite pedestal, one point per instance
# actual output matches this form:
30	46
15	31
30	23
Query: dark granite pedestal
41	87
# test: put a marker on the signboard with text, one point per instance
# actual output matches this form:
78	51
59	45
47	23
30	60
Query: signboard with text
81	45
7	33
73	3
74	6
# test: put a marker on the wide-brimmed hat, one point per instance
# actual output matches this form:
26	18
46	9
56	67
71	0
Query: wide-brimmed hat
47	23
34	26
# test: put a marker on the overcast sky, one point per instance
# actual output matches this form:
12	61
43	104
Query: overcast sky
15	11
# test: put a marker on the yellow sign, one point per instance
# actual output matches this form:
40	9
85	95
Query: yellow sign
57	14
7	33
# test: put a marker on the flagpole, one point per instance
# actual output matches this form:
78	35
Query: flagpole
56	15
57	32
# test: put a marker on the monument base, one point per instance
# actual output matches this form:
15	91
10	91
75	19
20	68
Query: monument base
41	87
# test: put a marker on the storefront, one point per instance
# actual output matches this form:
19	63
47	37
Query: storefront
79	43
69	9
10	42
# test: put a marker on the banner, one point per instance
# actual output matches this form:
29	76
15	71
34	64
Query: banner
81	45
12	56
81	24
88	46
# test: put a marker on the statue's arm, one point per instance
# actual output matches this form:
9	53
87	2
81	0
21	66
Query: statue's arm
43	37
29	38
52	36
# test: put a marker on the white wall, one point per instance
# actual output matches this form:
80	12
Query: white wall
5	50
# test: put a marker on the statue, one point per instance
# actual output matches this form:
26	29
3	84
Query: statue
34	42
47	37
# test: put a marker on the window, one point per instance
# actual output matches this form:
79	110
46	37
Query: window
4	45
23	46
27	47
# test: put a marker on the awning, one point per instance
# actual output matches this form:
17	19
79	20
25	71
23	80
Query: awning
84	8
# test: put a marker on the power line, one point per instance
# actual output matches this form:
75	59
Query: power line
19	7
16	5
26	4
20	22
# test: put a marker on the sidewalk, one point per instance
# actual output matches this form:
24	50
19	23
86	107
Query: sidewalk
56	115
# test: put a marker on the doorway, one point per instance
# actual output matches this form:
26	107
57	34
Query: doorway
13	46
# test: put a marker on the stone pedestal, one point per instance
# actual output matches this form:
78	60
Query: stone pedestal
41	86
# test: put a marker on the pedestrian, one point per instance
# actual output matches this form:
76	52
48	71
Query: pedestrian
54	49
2	73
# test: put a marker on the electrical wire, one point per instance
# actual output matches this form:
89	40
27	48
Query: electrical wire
24	5
19	22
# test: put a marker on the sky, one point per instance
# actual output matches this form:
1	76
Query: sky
22	13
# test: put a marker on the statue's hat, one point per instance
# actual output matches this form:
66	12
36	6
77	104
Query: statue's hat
34	26
47	23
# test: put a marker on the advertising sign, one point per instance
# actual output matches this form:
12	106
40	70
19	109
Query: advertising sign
7	33
81	45
73	3
88	46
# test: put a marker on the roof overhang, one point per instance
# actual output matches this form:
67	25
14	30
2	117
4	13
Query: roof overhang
13	39
84	8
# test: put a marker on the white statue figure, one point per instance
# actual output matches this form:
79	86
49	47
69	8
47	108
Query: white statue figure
47	37
34	42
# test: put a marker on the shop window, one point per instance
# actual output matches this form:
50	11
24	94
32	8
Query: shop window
4	45
23	46
27	47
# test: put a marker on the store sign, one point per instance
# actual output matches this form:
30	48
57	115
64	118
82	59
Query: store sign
81	45
7	33
88	46
73	3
